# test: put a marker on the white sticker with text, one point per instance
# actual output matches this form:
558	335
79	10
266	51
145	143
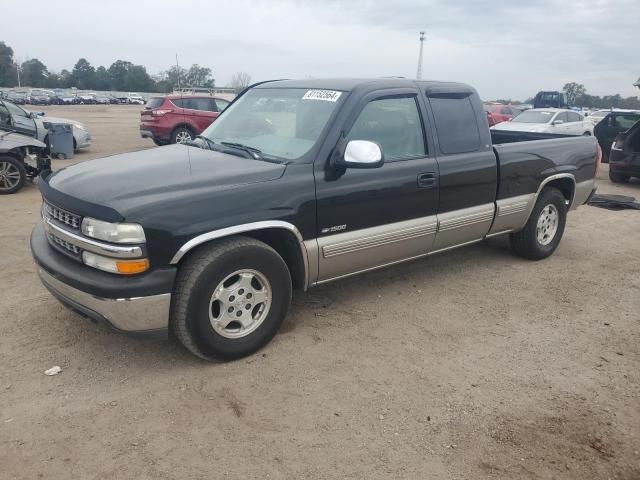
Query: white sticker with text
326	95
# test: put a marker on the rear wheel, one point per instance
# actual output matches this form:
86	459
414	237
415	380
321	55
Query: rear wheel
616	177
181	135
230	298
542	234
12	175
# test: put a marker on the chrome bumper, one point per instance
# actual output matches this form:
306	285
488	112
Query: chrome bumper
139	314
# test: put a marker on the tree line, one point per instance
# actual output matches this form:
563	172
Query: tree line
121	75
576	95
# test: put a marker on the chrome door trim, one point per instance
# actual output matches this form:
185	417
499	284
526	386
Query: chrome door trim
247	227
344	253
461	226
512	214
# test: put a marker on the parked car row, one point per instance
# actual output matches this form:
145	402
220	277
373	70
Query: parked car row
62	97
548	120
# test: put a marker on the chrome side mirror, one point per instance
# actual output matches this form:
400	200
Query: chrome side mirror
362	154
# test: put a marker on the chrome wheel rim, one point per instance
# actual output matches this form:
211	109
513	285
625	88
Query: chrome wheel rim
547	225
9	176
240	303
183	136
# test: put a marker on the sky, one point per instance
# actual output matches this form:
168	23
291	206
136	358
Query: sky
505	49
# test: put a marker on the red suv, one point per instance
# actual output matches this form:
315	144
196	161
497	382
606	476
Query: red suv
178	118
498	113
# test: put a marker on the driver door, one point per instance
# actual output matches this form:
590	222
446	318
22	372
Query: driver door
373	217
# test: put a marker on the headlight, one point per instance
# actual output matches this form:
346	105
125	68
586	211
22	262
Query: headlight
79	126
113	232
115	265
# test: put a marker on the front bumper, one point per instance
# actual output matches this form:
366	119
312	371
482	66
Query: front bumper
139	314
139	303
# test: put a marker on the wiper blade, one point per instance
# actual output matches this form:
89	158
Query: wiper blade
254	152
210	143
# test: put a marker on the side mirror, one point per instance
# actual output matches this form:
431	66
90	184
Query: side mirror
558	122
361	154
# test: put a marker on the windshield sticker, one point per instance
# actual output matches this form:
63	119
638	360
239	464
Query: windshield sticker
326	95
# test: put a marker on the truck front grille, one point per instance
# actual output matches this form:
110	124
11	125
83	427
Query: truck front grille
62	216
63	245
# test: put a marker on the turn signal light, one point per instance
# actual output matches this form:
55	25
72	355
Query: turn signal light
131	267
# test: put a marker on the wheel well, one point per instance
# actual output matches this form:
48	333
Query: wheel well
283	242
565	185
182	125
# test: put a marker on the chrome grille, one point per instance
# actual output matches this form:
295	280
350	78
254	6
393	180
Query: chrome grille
58	214
64	245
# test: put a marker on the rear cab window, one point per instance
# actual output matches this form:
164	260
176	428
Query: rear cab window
455	123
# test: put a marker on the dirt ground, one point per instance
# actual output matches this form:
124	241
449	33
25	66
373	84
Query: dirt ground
471	364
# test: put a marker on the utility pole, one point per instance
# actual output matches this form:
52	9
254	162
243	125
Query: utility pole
18	72
419	74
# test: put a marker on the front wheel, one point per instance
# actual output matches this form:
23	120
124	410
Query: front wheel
542	233
12	175
230	298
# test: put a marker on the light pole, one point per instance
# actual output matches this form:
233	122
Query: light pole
419	74
17	70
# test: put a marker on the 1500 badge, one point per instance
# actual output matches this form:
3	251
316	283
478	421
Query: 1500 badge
336	228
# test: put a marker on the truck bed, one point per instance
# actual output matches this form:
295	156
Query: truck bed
525	158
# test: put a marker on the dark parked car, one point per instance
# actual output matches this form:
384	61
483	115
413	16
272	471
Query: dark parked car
178	118
610	126
17	98
549	99
209	239
624	159
39	99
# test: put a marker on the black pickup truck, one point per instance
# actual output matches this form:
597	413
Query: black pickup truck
297	183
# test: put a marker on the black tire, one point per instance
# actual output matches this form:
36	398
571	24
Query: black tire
11	167
616	177
198	278
525	243
180	131
586	134
160	143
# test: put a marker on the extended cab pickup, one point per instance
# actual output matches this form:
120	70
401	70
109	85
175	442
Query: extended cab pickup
297	183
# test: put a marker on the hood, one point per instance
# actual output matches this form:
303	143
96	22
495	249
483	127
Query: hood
47	118
9	141
135	180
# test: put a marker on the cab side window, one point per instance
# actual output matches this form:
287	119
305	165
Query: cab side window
456	124
5	116
393	123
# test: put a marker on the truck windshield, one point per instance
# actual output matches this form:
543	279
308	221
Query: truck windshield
279	122
531	116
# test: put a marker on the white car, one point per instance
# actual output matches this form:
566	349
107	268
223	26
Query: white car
548	120
597	115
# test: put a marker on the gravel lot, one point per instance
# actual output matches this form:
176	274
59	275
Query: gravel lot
467	365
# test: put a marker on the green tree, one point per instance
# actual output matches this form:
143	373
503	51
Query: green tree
83	75
8	73
198	76
118	72
138	80
34	73
573	92
173	78
102	79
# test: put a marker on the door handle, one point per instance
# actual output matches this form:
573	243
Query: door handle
427	180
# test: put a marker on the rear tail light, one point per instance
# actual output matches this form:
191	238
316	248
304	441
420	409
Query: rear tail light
598	159
159	113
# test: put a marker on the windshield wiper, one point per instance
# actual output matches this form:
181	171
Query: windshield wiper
210	143
254	152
